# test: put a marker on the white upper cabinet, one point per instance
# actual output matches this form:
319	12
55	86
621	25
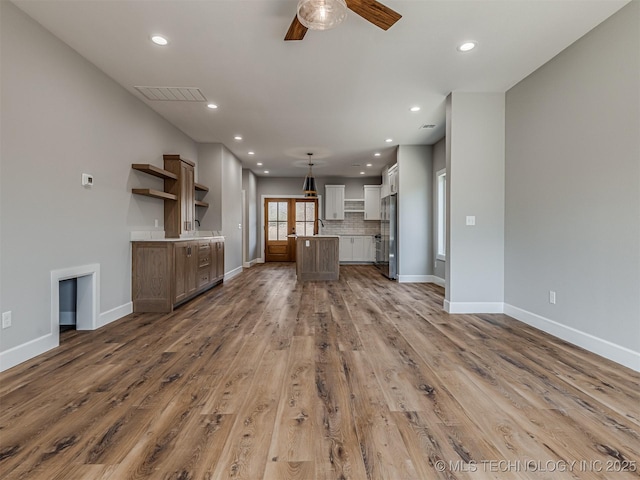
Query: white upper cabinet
385	190
372	202
334	202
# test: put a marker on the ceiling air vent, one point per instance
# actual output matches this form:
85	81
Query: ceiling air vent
427	125
172	94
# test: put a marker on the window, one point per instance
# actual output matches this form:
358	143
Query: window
277	220
305	217
441	177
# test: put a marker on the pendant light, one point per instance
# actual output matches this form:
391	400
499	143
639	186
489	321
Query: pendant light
309	186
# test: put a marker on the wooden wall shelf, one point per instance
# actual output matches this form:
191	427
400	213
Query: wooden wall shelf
200	203
150	192
201	188
155	171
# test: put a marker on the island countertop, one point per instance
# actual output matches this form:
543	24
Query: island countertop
317	257
313	236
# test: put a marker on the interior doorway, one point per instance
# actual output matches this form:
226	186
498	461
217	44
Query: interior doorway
68	304
85	297
285	218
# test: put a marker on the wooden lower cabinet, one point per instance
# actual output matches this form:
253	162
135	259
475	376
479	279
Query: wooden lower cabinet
168	273
218	267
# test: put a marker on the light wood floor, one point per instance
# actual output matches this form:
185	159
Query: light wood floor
266	378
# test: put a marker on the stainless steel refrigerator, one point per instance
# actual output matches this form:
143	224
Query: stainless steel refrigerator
386	244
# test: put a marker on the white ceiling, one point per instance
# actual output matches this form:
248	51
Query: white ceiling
338	93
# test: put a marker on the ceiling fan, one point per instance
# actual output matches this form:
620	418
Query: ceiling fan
371	10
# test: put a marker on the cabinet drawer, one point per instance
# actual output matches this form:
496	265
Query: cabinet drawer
204	276
204	254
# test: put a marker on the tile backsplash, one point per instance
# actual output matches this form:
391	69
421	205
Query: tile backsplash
353	224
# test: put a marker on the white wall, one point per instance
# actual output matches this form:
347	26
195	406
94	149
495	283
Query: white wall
573	192
221	171
439	163
249	186
415	210
274	186
475	187
62	117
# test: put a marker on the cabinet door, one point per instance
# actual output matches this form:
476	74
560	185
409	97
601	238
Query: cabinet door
179	215
152	270
358	254
372	202
181	253
219	260
346	248
385	189
187	194
186	270
334	202
192	268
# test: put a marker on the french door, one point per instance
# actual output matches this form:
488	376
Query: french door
285	218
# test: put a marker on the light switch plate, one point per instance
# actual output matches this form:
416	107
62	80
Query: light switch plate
6	319
471	220
87	180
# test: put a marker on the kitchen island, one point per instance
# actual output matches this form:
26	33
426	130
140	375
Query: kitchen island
317	257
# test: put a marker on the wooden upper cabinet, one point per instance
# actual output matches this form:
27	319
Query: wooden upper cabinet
179	216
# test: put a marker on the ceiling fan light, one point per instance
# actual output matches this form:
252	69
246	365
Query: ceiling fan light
321	14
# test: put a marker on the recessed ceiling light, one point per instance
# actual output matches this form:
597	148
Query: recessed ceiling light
415	109
259	164
266	171
361	173
251	153
159	40
212	106
389	140
467	46
237	137
369	164
377	154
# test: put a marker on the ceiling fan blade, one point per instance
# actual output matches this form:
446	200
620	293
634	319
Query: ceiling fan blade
296	30
375	12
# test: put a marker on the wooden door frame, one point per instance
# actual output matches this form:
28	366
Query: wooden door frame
263	240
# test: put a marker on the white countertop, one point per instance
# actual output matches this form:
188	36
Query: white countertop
317	236
188	239
158	236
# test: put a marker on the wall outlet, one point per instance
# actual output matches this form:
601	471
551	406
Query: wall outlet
155	223
6	319
552	297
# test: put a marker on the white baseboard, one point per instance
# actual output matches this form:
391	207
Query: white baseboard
619	354
115	314
233	273
260	260
33	348
414	278
251	263
473	307
26	351
421	279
